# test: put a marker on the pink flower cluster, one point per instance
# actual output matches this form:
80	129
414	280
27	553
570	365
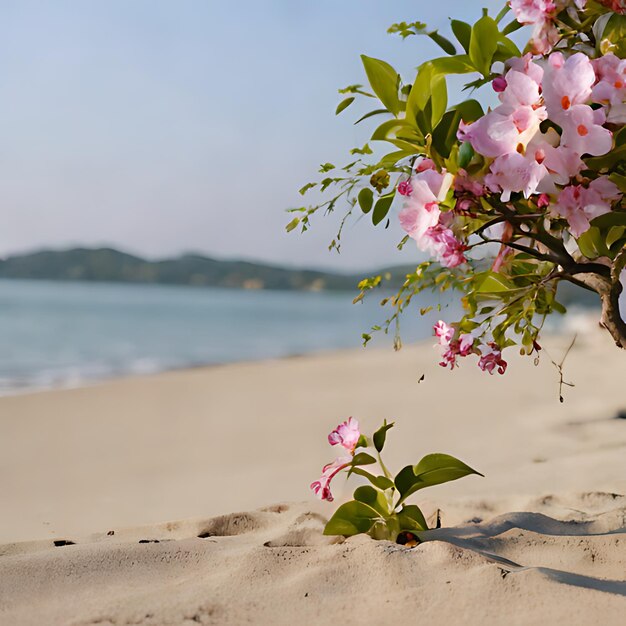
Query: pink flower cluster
529	161
422	218
610	88
347	436
452	348
490	355
540	14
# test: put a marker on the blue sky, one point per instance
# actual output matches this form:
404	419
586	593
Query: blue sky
162	127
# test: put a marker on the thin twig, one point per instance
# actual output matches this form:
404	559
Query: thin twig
559	368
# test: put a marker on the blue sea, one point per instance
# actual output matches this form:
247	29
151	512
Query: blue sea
64	334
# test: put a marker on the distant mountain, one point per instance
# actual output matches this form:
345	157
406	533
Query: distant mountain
110	265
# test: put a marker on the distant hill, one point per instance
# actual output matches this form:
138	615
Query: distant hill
110	265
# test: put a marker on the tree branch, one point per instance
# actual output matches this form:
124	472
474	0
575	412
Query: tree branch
608	286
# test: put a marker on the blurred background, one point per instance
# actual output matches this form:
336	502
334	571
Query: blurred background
149	153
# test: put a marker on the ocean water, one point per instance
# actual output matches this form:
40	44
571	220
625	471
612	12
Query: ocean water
60	334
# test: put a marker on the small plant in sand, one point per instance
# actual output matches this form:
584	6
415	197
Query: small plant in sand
380	509
508	194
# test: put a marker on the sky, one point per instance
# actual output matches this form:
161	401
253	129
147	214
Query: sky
163	127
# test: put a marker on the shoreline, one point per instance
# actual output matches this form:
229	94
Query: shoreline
88	383
578	320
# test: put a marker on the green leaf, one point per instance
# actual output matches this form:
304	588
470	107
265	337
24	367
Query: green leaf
511	27
592	244
438	99
382	482
463	32
470	110
388	127
502	13
384	81
364	150
615	32
372	497
344	104
619	180
405	479
366	199
293	224
389	160
435	469
380	435
483	44
445	44
599	26
351	519
411	518
306	187
494	283
371	114
459	64
612	218
428	99
615	234
381	208
506	49
444	135
363	458
606	161
466	153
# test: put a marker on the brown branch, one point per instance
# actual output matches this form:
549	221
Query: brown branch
608	286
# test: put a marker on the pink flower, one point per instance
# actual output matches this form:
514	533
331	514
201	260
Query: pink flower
527	66
491	359
610	89
449	356
507	233
545	35
442	243
532	11
583	131
466	343
619	6
346	435
578	205
567	82
417	217
508	128
421	209
422	163
543	201
404	188
453	348
464	183
514	172
540	14
443	332
560	163
570	205
321	487
521	89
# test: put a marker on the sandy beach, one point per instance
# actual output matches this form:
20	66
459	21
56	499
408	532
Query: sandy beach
183	498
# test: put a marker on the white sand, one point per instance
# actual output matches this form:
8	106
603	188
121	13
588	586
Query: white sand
541	539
